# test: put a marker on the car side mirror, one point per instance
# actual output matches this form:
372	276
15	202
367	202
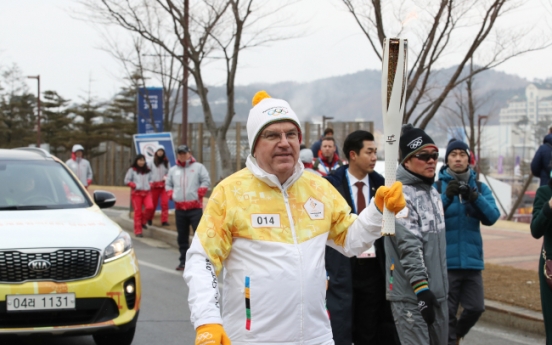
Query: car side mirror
104	199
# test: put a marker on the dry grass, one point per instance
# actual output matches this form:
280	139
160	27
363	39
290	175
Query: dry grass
513	286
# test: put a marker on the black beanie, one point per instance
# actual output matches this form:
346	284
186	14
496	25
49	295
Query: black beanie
455	144
413	140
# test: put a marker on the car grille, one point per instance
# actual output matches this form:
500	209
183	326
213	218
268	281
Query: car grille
87	311
66	264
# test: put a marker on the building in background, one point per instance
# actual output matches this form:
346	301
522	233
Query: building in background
527	115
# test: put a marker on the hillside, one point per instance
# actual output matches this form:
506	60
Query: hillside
354	96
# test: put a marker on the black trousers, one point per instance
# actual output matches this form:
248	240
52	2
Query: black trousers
373	322
465	288
185	218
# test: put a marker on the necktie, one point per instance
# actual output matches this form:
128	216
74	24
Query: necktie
361	201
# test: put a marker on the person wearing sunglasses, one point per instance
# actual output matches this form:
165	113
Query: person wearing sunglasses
268	226
467	203
418	249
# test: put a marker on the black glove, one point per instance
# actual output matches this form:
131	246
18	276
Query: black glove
453	188
469	194
426	303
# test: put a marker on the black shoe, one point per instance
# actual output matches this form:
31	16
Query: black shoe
165	224
180	268
149	222
140	235
144	226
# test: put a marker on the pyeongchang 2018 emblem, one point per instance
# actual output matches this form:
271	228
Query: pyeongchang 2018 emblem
414	144
391	139
276	111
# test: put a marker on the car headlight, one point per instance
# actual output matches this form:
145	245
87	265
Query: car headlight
118	248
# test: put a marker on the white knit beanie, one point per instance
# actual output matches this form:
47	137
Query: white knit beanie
265	111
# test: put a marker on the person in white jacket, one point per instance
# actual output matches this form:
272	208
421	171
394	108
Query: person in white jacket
187	183
267	226
80	166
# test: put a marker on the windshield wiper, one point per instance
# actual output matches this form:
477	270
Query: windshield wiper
23	207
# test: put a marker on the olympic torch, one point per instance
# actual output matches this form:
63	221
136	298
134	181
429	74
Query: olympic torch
393	93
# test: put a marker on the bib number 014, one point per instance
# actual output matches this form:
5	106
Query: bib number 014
265	220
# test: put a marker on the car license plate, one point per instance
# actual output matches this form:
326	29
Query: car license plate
40	302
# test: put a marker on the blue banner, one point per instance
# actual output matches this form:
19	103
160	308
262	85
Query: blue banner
150	106
146	145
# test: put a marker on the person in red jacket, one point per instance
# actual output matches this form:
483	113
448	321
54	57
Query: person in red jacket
138	178
159	170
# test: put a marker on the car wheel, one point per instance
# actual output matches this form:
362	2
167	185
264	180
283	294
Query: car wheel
118	338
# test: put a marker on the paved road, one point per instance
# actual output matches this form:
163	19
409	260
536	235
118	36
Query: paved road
164	317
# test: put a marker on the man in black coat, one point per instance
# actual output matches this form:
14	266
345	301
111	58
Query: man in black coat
540	165
356	301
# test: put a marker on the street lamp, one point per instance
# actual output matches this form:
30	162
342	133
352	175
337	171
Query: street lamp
37	77
184	139
479	117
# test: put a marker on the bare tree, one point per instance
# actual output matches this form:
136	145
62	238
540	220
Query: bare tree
215	30
144	60
437	30
464	119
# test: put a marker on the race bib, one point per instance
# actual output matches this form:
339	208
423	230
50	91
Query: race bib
265	220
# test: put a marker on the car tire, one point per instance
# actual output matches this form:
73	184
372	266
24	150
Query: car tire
118	338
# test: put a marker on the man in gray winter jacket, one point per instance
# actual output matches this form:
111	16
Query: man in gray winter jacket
416	256
187	184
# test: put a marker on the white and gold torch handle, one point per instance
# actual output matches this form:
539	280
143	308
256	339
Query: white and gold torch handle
393	93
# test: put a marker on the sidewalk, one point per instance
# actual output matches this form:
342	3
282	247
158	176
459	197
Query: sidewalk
511	244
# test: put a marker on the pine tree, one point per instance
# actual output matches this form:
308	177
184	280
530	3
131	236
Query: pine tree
17	117
120	116
56	123
89	127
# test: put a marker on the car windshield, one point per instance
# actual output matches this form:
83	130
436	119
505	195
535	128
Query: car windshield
36	185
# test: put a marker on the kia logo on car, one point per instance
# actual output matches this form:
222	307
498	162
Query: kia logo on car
39	265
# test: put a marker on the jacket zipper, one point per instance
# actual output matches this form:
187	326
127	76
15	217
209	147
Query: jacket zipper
435	215
292	225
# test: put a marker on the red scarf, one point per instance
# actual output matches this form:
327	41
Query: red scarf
190	161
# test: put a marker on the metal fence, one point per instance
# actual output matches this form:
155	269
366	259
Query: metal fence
110	167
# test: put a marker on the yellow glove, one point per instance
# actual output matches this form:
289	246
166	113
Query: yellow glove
393	198
211	334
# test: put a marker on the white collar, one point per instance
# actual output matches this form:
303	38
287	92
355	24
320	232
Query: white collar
353	180
271	179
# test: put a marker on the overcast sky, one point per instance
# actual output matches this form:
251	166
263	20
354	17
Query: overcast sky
42	37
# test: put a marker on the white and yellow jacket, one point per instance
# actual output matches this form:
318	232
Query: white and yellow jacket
270	239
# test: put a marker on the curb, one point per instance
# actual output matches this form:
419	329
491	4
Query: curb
513	317
160	234
495	312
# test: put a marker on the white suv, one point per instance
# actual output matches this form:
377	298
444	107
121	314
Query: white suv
65	267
